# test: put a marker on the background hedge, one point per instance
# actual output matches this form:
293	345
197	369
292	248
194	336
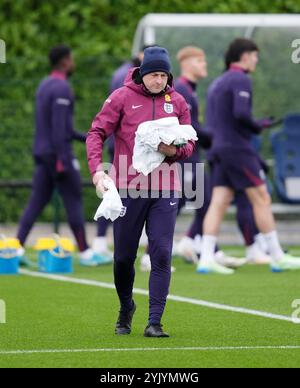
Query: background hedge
100	33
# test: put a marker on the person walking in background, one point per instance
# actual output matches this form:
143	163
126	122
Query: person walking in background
193	67
55	163
237	167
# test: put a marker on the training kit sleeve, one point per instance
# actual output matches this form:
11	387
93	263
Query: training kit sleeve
79	136
61	115
190	96
103	126
242	104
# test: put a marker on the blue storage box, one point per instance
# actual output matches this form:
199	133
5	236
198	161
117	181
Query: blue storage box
55	255
9	262
50	262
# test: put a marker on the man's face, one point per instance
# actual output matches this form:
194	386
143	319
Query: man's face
69	65
251	60
196	66
155	82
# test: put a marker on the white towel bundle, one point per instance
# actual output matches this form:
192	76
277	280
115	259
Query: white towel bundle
111	206
150	134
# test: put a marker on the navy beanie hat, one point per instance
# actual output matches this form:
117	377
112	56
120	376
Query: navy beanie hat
155	59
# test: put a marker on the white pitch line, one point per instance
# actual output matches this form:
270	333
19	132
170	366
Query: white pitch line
108	350
139	291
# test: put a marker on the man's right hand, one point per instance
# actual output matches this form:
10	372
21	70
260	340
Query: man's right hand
98	180
270	122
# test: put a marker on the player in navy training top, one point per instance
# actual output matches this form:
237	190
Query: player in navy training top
55	163
236	165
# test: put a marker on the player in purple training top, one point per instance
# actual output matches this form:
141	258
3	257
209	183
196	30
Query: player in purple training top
193	66
236	166
55	163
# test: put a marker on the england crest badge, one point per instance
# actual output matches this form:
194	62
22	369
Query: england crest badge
169	108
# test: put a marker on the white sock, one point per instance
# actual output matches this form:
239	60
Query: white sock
274	246
260	240
208	248
100	245
198	243
146	261
86	255
20	251
187	240
251	250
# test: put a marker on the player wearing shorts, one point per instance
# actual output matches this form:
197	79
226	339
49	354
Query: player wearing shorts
236	166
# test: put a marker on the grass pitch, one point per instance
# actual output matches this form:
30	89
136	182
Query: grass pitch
54	323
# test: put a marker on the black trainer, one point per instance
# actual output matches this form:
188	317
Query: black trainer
123	325
155	331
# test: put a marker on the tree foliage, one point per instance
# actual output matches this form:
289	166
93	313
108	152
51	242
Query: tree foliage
100	33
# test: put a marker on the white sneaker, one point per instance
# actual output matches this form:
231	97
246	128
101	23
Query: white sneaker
186	249
229	262
213	268
255	255
145	265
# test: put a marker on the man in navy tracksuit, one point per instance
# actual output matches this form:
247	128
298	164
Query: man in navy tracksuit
146	95
100	242
55	163
236	165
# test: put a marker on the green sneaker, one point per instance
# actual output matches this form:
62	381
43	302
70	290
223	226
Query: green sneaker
96	260
288	263
214	268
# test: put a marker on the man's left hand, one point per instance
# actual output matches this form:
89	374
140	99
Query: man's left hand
167	150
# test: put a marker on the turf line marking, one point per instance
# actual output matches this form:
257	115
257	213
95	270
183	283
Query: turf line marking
175	298
201	349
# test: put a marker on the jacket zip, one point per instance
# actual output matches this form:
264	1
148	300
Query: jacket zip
153	110
153	118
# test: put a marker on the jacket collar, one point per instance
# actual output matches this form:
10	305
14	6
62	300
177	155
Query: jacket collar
237	68
58	74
